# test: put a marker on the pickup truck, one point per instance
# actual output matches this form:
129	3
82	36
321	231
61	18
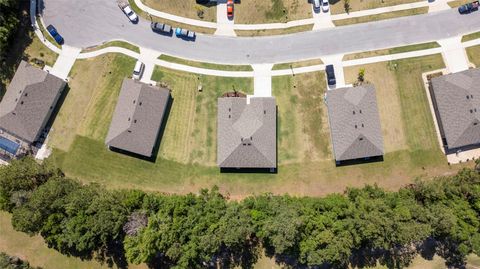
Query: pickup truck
161	28
125	7
184	33
468	8
54	33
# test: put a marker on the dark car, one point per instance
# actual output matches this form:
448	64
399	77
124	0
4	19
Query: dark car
467	8
161	28
330	75
54	33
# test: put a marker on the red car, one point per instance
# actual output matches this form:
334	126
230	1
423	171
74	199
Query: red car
230	9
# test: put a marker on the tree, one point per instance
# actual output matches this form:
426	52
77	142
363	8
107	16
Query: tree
21	177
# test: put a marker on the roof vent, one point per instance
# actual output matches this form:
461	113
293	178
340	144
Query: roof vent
134	121
128	119
21	103
360	111
129	131
468	97
362	125
26	94
264	112
134	101
354	112
361	139
140	103
355	126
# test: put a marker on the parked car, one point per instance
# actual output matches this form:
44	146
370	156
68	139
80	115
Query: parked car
161	28
316	5
230	9
468	8
185	34
138	70
325	6
330	75
129	12
54	33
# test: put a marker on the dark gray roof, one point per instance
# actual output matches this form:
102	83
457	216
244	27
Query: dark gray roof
138	117
247	133
29	101
457	99
354	122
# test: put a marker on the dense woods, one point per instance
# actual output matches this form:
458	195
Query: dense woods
358	227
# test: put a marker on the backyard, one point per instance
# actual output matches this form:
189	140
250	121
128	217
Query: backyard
186	161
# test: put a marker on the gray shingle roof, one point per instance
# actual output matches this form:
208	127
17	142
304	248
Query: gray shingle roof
457	99
247	133
138	117
29	102
354	123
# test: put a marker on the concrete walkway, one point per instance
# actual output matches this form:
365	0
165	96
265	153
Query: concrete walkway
65	62
262	80
224	25
438	5
454	54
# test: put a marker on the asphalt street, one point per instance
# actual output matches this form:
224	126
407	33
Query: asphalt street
90	22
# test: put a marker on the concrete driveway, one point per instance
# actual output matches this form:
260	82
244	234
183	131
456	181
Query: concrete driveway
90	22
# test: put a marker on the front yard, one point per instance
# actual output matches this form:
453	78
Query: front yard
269	11
185	8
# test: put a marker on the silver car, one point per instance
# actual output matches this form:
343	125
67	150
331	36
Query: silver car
316	5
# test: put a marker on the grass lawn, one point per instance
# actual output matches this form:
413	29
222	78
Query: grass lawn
205	65
187	155
474	55
395	50
121	44
382	16
297	64
457	3
35	251
472	36
185	8
337	6
266	32
267	11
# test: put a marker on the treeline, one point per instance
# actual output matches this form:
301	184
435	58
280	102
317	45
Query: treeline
8	23
9	262
360	227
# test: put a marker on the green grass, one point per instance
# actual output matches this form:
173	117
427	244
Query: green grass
472	36
395	50
296	64
205	65
267	32
474	55
118	43
382	16
457	3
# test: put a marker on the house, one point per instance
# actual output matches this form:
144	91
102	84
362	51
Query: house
354	123
26	108
137	118
247	132
456	101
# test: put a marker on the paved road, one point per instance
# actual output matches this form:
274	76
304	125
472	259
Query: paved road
90	22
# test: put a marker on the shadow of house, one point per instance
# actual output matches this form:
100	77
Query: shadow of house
355	125
139	120
456	101
247	135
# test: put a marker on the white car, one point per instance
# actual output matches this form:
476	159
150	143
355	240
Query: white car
325	5
138	70
130	14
